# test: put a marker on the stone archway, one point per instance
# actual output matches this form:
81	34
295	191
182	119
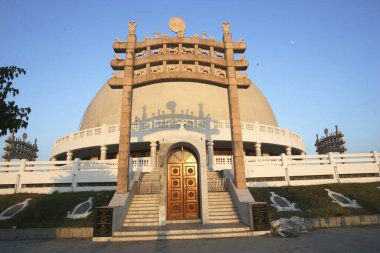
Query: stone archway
182	185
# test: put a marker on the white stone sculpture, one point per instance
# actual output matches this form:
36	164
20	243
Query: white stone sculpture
82	210
342	200
281	203
13	210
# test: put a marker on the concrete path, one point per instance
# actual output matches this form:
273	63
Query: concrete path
348	239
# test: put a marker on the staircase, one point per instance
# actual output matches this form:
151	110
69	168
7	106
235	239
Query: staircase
150	183
221	208
216	181
141	222
143	211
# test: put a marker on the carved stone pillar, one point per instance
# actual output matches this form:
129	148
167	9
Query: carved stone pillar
153	154
125	118
288	151
103	152
69	156
210	155
258	149
236	134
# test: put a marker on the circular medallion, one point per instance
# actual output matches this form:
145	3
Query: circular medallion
176	24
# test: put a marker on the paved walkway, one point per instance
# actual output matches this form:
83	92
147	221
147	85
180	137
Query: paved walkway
350	239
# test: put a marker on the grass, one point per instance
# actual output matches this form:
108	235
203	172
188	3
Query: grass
314	201
50	210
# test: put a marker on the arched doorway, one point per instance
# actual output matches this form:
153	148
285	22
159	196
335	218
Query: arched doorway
183	199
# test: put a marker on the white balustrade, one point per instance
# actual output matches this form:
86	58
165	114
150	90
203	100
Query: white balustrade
273	171
63	176
270	171
218	129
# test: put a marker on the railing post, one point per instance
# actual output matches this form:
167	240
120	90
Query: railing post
376	159
74	174
285	165
332	163
19	176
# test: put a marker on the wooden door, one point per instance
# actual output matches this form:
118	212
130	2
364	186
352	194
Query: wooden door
183	200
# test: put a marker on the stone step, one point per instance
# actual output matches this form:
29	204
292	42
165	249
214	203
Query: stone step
187	221
146	196
182	232
221	199
142	212
143	208
224	217
222	205
218	194
140	224
137	220
214	196
144	203
216	213
227	209
139	215
212	221
144	199
179	237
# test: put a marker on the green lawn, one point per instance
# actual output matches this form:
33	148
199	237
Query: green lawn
314	201
50	210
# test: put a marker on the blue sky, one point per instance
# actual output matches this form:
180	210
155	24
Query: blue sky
319	60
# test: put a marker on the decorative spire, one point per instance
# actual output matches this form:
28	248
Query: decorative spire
132	27
177	25
226	27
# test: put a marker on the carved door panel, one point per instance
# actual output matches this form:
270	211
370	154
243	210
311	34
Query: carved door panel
183	201
175	192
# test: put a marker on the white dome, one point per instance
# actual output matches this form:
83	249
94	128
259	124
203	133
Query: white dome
191	98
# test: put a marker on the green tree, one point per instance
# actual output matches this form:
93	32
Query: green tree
11	115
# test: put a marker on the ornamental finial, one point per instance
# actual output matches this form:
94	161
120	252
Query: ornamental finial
226	27
132	27
177	25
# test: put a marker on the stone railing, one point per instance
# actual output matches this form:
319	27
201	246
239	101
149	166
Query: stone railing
272	171
63	176
216	129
